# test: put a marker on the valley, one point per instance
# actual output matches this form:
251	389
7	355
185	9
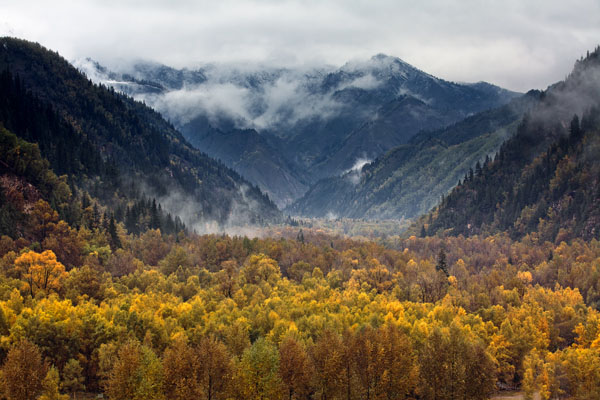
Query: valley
367	231
285	129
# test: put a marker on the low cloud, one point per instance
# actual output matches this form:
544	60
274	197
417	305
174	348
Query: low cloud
354	173
288	101
252	98
331	216
186	206
211	99
359	164
513	43
366	82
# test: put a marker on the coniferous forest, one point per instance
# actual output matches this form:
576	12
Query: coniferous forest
106	290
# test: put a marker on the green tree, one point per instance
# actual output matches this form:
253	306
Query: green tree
259	371
442	265
177	257
115	241
4	326
73	380
51	383
136	374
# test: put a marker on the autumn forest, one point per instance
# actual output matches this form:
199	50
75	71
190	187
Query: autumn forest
103	290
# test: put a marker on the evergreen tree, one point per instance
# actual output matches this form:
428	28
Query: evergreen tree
300	236
115	242
154	216
441	262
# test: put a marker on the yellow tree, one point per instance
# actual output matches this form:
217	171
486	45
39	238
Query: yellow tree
64	242
455	364
260	268
328	362
366	356
41	219
40	271
398	363
226	277
182	369
23	361
135	375
294	368
51	384
384	363
217	368
583	372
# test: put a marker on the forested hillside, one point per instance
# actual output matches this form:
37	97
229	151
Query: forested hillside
545	179
410	179
254	156
108	142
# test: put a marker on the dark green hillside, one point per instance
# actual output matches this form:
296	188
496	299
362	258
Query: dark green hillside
556	194
252	155
92	132
546	179
410	179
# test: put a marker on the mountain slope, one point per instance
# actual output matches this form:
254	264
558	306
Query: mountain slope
251	155
409	179
318	122
136	142
545	179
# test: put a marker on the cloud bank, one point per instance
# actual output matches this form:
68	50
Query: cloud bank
250	97
513	43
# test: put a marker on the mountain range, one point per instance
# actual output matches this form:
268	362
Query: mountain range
116	148
409	179
521	164
107	290
285	129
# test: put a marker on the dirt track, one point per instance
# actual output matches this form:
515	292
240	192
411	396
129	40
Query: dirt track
513	396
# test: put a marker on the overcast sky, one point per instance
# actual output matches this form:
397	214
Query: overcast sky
518	44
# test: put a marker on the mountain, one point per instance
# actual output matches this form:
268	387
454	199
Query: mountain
315	122
97	135
545	180
410	179
404	102
250	154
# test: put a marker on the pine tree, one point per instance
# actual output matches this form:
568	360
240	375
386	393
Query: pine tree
115	241
300	236
441	263
154	216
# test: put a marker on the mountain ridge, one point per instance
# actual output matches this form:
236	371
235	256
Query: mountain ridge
319	121
136	139
409	179
544	181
